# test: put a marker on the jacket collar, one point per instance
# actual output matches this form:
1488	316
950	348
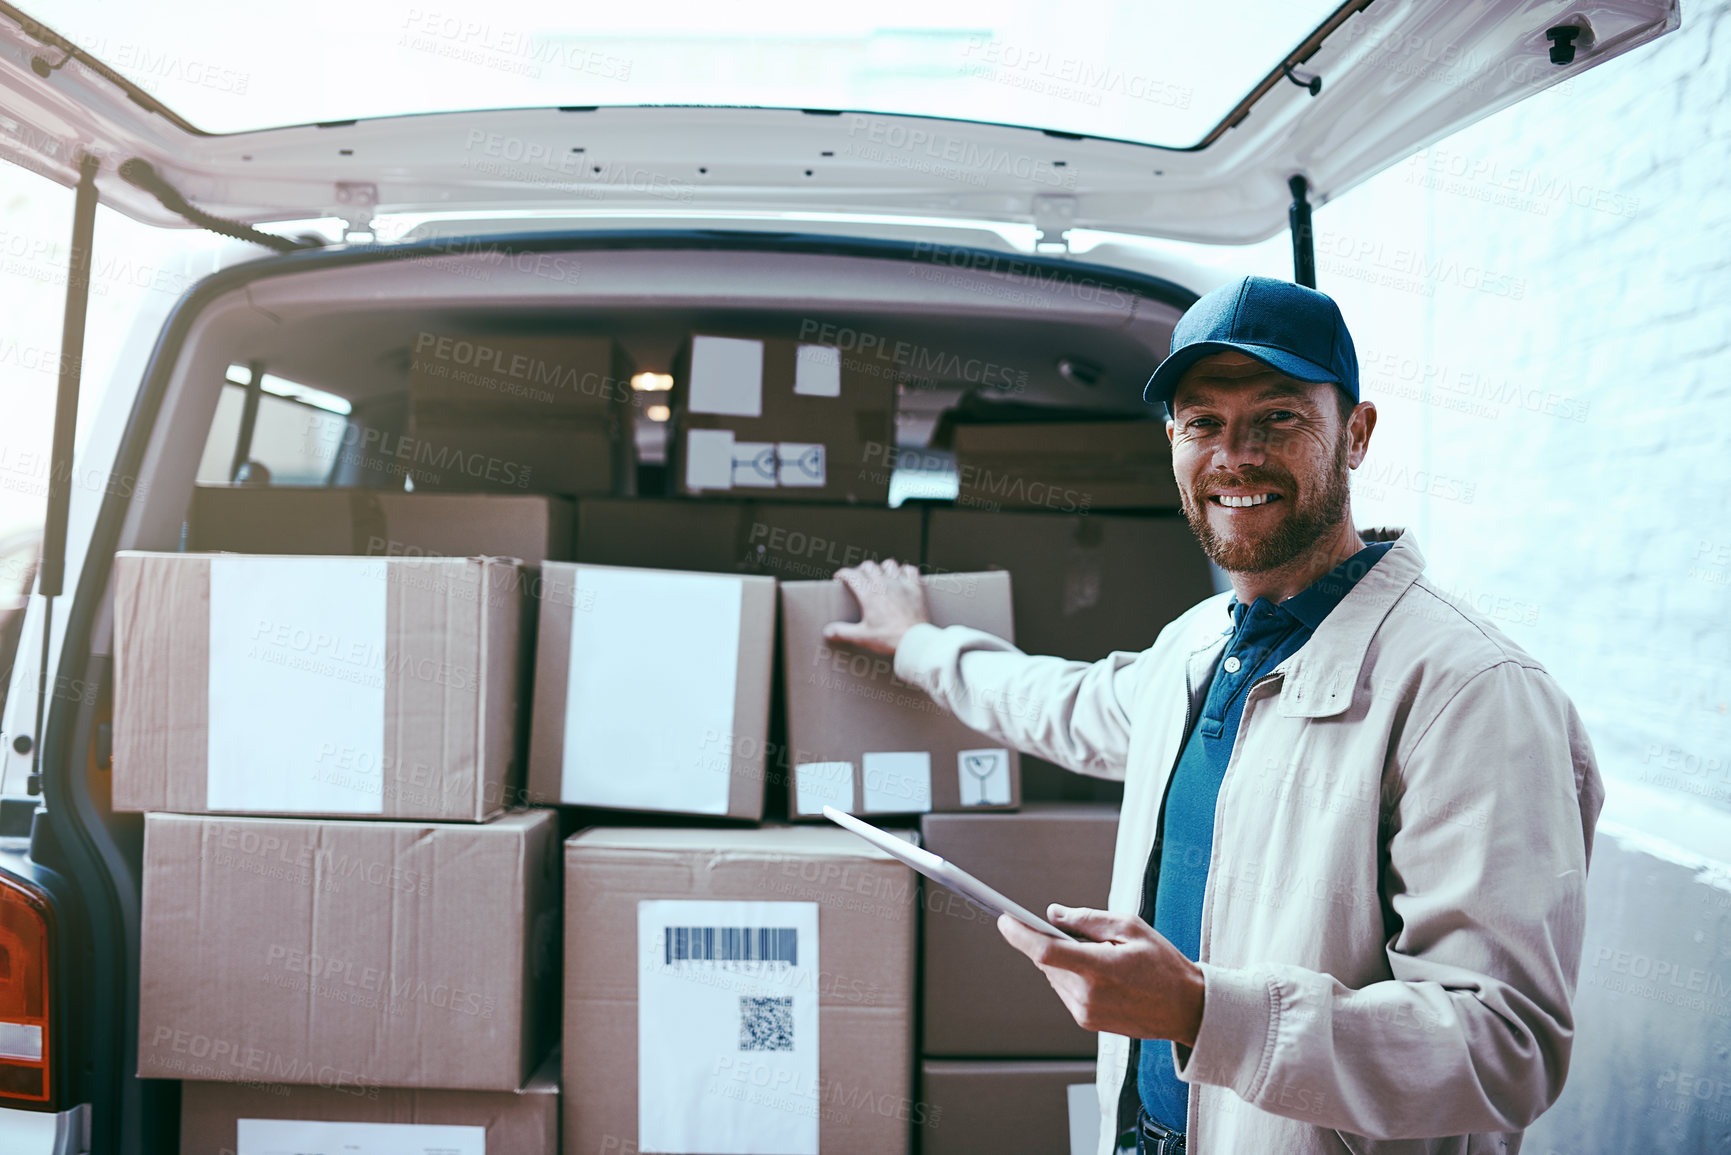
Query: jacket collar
1321	675
1319	679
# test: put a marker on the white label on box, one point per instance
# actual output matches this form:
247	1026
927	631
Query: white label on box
649	704
754	463
317	1137
820	784
1084	1103
817	371
297	685
727	1040
709	459
726	377
985	777
896	782
801	463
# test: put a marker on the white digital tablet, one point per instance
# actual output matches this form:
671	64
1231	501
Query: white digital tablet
940	870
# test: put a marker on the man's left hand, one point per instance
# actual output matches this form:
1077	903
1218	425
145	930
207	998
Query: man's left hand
1129	980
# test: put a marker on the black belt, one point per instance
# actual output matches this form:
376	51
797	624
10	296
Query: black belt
1153	1138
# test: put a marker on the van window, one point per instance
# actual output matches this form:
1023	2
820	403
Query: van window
293	432
19	553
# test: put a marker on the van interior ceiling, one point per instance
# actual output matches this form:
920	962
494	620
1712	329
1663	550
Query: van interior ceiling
993	343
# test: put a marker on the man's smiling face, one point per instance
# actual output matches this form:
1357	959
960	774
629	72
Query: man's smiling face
1262	460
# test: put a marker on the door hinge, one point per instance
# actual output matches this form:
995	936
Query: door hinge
355	205
1054	216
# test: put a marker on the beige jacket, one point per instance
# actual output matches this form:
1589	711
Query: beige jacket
1391	930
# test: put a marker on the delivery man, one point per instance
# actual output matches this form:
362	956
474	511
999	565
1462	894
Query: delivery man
1349	886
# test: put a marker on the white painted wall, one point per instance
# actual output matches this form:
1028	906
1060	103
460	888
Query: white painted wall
1542	308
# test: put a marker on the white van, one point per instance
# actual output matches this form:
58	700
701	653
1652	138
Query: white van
992	185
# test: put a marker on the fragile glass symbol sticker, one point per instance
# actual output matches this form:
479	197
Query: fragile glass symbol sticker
985	777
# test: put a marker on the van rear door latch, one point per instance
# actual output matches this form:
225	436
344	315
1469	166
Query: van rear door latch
356	203
1054	216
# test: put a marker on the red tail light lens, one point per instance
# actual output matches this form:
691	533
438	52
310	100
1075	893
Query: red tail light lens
25	933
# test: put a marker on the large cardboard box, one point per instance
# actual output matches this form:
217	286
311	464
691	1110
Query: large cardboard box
737	991
1067	467
316	685
260	1118
652	690
1039	1107
520	413
375	523
787	542
349	953
1049	852
1085	586
862	740
778	417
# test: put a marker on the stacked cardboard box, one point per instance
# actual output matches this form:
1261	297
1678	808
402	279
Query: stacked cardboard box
1085	586
862	740
510	413
750	991
1065	467
238	1118
398	961
1009	1107
652	690
1008	1080
778	416
770	538
348	953
378	523
316	685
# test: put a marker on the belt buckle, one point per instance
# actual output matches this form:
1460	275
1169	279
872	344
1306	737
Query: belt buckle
1157	1138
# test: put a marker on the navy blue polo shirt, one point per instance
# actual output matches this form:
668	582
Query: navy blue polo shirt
1263	635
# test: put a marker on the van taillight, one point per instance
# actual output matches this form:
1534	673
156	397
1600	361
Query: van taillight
25	930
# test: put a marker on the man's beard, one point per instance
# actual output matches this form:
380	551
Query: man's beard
1311	518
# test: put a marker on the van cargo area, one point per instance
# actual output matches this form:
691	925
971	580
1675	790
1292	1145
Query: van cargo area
662	450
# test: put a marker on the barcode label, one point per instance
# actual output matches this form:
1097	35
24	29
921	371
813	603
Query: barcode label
732	944
728	1032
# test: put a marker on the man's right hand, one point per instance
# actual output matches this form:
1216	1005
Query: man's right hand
891	602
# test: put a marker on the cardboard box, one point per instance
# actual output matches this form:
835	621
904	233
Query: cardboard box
316	685
518	413
775	416
375	523
521	1122
683	1049
349	953
787	542
1049	852
862	740
1040	1107
1085	586
1066	467
652	690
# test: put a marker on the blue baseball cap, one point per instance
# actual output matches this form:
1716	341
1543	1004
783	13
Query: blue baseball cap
1287	327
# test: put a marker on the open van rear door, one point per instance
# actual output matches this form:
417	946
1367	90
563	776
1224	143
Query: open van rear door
1335	93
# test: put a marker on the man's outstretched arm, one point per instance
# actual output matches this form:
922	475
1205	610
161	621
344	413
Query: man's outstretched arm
1075	714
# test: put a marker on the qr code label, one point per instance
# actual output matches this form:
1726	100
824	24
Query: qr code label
765	1024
